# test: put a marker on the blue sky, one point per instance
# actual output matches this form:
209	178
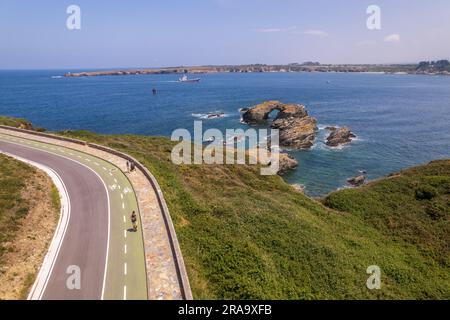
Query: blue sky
156	33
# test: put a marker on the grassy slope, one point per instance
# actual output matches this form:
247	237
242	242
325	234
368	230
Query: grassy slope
28	216
395	208
13	177
16	122
248	236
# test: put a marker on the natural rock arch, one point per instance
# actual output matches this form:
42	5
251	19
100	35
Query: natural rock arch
261	112
297	129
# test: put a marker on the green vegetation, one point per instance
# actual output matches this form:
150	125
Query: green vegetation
56	201
247	236
13	176
434	66
28	217
16	122
413	206
426	192
28	283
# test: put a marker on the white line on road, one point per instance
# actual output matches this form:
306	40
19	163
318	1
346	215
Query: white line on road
124	219
123	205
121	195
124	292
96	163
125	268
125	233
115	180
125	249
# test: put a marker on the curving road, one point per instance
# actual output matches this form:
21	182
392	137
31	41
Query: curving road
96	239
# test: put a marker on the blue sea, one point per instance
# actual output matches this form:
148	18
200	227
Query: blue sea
400	120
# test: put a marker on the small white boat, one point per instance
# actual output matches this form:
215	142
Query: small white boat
185	78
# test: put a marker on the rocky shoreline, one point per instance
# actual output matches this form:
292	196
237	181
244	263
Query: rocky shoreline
297	129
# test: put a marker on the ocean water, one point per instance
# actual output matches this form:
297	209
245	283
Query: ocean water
400	120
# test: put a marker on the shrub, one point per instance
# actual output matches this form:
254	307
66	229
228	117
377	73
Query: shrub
436	211
426	192
442	183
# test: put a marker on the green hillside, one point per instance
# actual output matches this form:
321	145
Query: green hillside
247	236
13	206
29	211
411	206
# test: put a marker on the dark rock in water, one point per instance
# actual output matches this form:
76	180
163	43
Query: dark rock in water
244	109
357	181
331	128
340	136
287	163
297	128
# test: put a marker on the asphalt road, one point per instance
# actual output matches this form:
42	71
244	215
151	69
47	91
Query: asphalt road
97	239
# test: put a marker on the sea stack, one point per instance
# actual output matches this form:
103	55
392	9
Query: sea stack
297	128
340	136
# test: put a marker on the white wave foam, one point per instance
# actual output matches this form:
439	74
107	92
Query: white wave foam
358	139
339	147
321	145
210	115
324	126
345	187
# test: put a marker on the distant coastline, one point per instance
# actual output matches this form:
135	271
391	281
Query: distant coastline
441	67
